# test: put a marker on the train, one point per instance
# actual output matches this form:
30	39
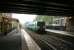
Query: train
38	26
57	24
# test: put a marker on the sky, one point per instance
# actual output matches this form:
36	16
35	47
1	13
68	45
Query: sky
24	17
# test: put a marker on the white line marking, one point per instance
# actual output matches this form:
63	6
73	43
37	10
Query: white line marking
30	42
60	32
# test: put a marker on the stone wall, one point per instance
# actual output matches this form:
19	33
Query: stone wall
4	22
70	23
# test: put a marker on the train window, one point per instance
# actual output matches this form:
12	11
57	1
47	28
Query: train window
62	22
57	22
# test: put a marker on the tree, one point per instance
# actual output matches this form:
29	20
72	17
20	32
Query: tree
47	19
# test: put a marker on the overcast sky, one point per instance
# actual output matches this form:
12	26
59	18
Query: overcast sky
24	17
